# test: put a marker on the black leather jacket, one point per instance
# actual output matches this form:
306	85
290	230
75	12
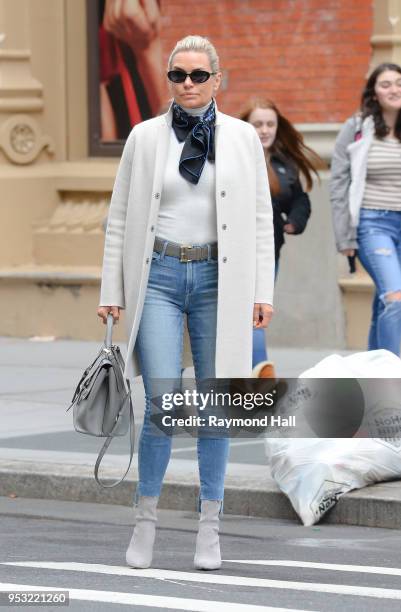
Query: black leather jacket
291	205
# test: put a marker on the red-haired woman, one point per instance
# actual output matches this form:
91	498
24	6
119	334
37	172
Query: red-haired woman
287	157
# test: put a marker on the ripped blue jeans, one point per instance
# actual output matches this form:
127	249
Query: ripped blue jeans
379	244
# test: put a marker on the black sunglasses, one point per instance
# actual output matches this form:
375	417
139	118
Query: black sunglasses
196	76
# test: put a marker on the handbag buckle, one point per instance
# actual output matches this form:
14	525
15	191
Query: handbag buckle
184	254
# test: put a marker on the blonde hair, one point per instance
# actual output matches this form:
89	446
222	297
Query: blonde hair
196	43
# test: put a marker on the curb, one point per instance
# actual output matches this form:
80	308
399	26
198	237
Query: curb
257	496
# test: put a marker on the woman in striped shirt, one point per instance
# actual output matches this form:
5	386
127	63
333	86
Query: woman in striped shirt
366	198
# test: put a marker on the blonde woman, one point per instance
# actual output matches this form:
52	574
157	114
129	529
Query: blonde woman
196	177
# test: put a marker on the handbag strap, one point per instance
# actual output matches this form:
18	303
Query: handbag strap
107	444
109	331
107	344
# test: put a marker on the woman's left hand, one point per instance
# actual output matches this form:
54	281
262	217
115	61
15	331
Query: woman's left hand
262	314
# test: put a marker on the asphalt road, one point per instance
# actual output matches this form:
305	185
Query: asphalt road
268	564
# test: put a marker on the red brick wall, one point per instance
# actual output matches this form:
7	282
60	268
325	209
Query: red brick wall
310	56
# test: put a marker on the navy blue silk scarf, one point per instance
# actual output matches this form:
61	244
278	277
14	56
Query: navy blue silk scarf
198	134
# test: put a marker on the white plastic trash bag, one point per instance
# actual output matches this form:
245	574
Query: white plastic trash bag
315	472
367	364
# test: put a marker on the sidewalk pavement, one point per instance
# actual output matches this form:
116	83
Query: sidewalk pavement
41	456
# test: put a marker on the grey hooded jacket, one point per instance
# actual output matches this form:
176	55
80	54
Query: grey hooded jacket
348	177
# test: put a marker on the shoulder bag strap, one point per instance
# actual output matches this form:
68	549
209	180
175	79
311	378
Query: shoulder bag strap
358	127
107	444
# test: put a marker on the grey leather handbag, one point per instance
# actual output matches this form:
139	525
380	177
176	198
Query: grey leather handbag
102	401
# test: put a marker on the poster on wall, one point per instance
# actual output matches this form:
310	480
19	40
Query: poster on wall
125	65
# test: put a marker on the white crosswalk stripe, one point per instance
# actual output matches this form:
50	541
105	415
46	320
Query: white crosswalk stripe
221	579
154	601
334	567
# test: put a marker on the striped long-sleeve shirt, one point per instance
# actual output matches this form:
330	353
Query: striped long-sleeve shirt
383	180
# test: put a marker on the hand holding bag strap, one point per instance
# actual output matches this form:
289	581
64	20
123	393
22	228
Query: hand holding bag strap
107	444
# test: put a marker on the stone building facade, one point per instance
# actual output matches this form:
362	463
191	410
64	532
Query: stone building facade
310	56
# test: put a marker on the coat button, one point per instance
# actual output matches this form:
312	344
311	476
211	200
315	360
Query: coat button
147	260
224	259
224	226
223	194
152	229
157	196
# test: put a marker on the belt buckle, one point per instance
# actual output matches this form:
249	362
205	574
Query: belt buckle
183	254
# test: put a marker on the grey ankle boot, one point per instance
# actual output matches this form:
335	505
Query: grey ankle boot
207	554
140	550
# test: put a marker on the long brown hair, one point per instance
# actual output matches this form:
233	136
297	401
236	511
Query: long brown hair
371	107
289	144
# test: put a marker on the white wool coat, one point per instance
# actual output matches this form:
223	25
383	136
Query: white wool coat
244	228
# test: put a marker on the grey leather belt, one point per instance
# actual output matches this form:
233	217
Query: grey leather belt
186	253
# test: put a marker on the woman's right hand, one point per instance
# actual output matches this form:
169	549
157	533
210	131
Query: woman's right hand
348	252
103	311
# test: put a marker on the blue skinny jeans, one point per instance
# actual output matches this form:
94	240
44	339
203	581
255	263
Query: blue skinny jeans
176	289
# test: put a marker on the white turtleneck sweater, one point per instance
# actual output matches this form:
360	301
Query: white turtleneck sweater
187	212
